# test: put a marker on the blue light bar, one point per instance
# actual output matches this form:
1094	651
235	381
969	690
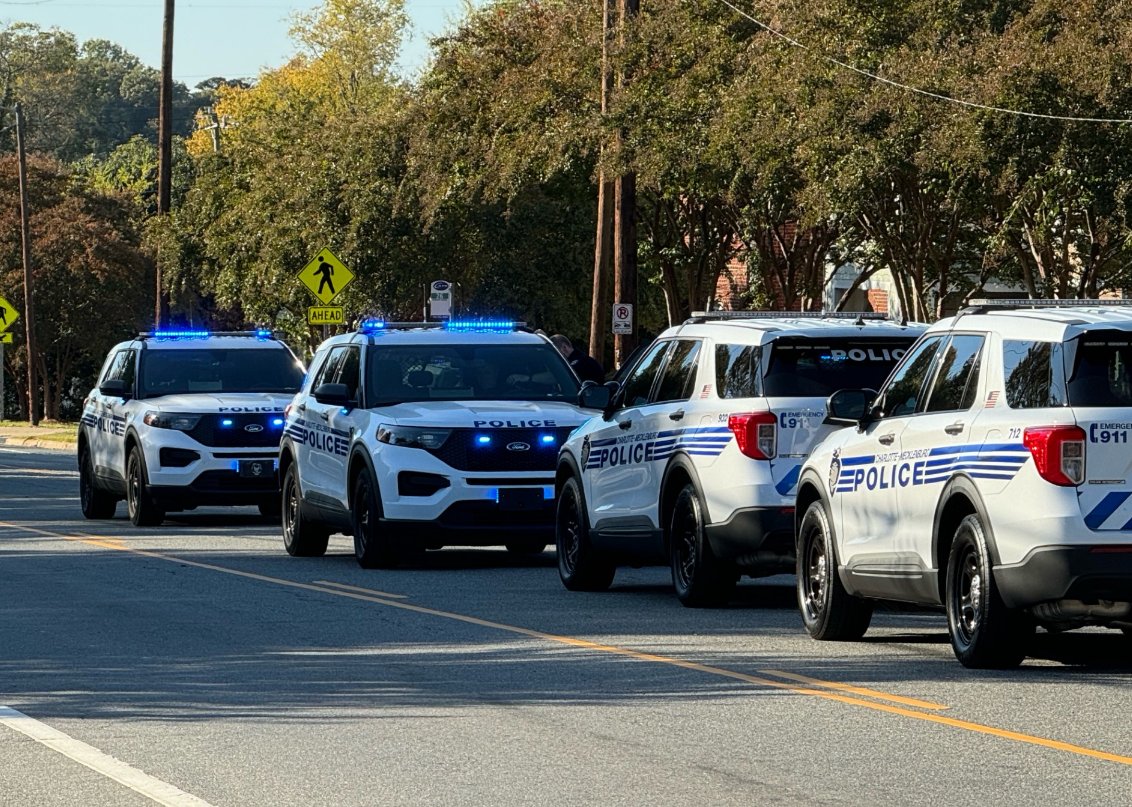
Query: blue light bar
483	439
480	325
264	333
277	422
181	334
546	439
371	325
227	422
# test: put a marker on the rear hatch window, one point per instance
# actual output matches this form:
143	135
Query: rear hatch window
811	368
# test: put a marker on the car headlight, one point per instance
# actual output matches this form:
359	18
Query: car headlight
157	420
412	437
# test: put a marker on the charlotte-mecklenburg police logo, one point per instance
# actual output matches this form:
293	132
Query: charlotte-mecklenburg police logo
585	450
834	471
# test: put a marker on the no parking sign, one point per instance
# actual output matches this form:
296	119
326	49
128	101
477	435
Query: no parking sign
622	318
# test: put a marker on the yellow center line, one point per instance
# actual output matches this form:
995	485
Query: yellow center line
371	591
868	693
965	725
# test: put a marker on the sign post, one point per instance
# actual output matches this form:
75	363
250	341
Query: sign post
326	277
440	300
8	316
622	318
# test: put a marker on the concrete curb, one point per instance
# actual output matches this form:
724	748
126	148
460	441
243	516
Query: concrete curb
34	442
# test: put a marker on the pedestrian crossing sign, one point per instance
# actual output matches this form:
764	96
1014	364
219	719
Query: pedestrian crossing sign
8	315
326	276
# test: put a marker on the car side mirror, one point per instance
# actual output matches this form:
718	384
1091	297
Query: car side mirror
114	388
850	407
332	394
595	396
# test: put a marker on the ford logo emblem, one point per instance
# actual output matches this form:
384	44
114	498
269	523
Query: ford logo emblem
518	446
253	427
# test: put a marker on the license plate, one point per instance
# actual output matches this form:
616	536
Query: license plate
256	469
519	499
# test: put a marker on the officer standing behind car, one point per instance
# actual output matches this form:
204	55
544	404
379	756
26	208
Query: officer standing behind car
583	364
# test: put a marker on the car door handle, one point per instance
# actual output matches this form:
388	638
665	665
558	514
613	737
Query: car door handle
677	415
625	424
955	428
887	439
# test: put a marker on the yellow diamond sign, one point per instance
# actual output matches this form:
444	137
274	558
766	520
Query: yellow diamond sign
8	314
326	276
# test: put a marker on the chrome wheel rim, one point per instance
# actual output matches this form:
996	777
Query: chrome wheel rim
968	595
290	510
814	580
133	487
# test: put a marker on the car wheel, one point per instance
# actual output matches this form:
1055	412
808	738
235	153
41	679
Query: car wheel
829	612
701	579
374	547
143	511
95	503
528	547
581	567
302	538
985	634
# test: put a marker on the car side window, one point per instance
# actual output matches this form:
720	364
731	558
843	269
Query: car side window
737	370
638	385
903	392
955	383
122	368
349	371
1028	369
329	367
679	373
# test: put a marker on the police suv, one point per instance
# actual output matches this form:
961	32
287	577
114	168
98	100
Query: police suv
695	459
413	436
991	474
185	418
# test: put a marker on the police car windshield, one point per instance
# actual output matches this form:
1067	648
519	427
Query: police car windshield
218	370
813	368
402	373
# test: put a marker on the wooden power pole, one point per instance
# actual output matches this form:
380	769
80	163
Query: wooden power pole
603	246
164	144
625	216
25	237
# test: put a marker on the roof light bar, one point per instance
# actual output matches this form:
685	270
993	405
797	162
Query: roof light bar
1023	302
854	315
371	325
177	334
481	325
261	333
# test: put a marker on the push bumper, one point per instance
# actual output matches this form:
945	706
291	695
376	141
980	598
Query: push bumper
478	523
756	537
1086	573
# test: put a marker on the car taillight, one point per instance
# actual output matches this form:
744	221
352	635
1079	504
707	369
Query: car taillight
756	433
1058	452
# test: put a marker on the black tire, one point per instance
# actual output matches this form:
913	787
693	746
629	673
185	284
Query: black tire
580	566
701	579
374	547
95	503
140	506
985	634
530	546
302	538
829	612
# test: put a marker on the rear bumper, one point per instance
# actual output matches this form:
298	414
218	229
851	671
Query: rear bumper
756	537
1087	573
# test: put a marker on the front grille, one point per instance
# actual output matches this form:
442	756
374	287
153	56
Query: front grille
211	430
232	482
462	451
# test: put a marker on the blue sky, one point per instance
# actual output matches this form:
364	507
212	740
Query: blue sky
211	37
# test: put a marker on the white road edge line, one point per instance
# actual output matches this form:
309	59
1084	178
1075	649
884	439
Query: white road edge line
108	766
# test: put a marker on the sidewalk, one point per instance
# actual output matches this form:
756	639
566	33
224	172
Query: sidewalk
51	435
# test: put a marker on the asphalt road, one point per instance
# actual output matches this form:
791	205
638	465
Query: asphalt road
198	663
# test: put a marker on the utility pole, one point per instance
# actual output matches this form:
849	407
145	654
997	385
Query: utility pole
625	214
25	236
603	245
164	143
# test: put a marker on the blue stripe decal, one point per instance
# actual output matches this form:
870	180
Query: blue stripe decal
787	483
1108	505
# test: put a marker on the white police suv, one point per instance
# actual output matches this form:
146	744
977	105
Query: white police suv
695	459
992	474
183	418
414	436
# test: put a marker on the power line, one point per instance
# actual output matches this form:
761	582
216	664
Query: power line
917	90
